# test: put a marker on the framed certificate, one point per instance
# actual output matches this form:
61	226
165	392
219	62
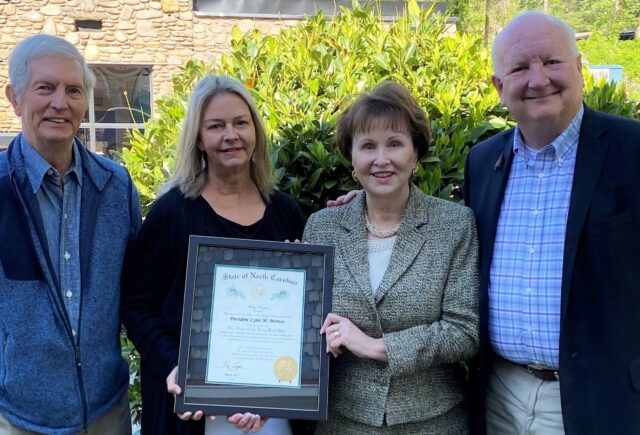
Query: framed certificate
250	338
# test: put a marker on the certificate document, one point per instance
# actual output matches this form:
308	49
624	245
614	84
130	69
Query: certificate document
256	330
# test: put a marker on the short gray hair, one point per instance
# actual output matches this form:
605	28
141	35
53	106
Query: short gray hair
498	43
38	46
189	174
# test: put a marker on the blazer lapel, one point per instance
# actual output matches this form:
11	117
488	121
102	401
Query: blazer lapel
491	198
591	153
353	246
411	238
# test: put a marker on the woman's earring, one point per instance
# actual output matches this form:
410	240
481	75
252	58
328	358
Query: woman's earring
203	161
354	176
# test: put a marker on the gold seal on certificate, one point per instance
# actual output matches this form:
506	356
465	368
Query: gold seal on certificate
285	368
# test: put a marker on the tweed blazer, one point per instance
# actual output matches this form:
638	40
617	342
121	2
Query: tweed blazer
425	309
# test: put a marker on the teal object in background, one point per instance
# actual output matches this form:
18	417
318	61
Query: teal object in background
612	73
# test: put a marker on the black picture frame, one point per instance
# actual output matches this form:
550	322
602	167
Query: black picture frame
307	399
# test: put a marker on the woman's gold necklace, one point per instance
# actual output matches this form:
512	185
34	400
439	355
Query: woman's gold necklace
381	234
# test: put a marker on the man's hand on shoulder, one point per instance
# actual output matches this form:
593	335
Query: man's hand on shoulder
343	199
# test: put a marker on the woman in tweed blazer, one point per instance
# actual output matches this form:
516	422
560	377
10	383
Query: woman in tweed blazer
406	280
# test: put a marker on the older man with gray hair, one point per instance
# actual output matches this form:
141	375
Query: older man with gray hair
557	204
66	218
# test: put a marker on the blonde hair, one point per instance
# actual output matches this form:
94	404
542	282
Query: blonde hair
188	174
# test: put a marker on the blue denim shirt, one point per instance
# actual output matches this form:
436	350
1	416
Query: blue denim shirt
85	375
59	202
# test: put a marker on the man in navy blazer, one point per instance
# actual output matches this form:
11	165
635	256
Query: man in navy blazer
557	203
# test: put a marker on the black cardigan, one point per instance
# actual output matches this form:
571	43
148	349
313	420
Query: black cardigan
153	288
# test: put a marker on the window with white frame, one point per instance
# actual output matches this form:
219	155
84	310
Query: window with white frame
121	101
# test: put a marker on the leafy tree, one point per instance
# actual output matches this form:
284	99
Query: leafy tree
301	77
606	16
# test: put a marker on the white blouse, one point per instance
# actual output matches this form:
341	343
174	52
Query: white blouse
379	257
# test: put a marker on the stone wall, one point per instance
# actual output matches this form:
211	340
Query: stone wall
163	34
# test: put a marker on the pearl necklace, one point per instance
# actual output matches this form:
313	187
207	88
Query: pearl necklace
381	234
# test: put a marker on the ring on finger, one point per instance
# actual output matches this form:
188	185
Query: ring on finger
336	334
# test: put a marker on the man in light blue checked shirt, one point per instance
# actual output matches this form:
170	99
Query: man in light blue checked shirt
557	202
525	325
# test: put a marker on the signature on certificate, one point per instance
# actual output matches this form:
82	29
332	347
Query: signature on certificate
232	366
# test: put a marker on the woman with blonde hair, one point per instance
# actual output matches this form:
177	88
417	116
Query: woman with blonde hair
222	186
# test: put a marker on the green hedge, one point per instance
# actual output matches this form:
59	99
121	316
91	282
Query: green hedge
302	76
300	79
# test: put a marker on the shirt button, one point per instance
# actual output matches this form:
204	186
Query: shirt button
67	256
531	250
536	212
50	172
65	215
73	331
541	175
69	294
529	290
